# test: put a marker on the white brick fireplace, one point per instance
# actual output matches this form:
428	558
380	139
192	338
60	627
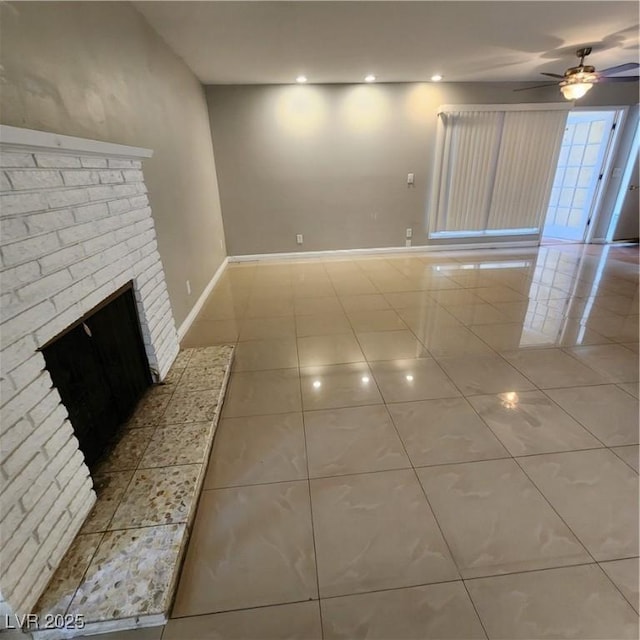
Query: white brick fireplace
76	226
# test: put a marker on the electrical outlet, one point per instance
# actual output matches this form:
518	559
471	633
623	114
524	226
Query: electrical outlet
409	233
188	288
299	238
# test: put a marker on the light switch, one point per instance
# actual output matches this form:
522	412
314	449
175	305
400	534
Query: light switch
410	178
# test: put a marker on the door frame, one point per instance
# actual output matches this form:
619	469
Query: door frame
624	184
619	120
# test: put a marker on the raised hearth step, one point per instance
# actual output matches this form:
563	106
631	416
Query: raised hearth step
122	568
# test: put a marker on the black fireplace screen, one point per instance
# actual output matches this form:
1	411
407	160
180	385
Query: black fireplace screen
100	368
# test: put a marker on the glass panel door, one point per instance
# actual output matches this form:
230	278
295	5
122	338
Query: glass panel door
579	166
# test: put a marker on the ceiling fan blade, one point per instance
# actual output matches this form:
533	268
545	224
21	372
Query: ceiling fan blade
551	75
538	86
620	79
629	66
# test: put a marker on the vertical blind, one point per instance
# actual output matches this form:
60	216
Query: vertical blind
494	169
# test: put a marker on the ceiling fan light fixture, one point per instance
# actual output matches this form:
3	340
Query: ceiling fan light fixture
575	90
576	85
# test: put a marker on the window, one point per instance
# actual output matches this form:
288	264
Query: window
494	168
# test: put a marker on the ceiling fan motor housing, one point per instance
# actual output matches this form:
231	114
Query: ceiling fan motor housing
581	74
572	71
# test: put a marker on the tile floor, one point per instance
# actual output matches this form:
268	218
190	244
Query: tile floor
436	446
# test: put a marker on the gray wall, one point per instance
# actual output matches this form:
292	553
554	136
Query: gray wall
98	70
331	161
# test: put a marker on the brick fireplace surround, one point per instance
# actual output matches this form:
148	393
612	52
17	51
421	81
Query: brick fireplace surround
76	226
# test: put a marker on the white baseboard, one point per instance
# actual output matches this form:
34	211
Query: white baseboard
336	253
614	243
197	307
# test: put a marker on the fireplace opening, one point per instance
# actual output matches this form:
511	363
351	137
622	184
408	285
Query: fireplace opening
100	368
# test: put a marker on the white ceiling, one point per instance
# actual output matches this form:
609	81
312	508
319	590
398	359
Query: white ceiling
340	41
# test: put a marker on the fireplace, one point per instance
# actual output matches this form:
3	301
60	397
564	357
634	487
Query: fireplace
100	369
78	234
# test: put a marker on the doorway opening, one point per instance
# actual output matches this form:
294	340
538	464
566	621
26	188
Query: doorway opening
624	224
577	185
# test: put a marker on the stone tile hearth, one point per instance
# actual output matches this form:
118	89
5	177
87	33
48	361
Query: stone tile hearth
122	567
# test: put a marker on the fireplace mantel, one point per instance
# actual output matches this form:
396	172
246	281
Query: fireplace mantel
20	139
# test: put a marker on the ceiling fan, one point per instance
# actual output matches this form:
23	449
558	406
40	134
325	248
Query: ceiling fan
576	81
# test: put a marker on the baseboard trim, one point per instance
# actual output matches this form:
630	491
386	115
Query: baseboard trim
301	255
197	307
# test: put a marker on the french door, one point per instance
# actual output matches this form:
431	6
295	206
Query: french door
582	155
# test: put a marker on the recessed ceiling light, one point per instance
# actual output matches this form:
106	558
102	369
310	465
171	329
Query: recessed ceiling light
436	77
370	78
301	79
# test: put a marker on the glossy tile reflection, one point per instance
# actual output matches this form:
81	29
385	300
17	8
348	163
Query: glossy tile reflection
229	568
412	379
346	385
295	621
528	422
615	362
571	602
432	611
257	449
609	526
435	445
629	454
624	574
376	531
444	431
352	440
442	366
491	374
496	521
609	413
549	368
